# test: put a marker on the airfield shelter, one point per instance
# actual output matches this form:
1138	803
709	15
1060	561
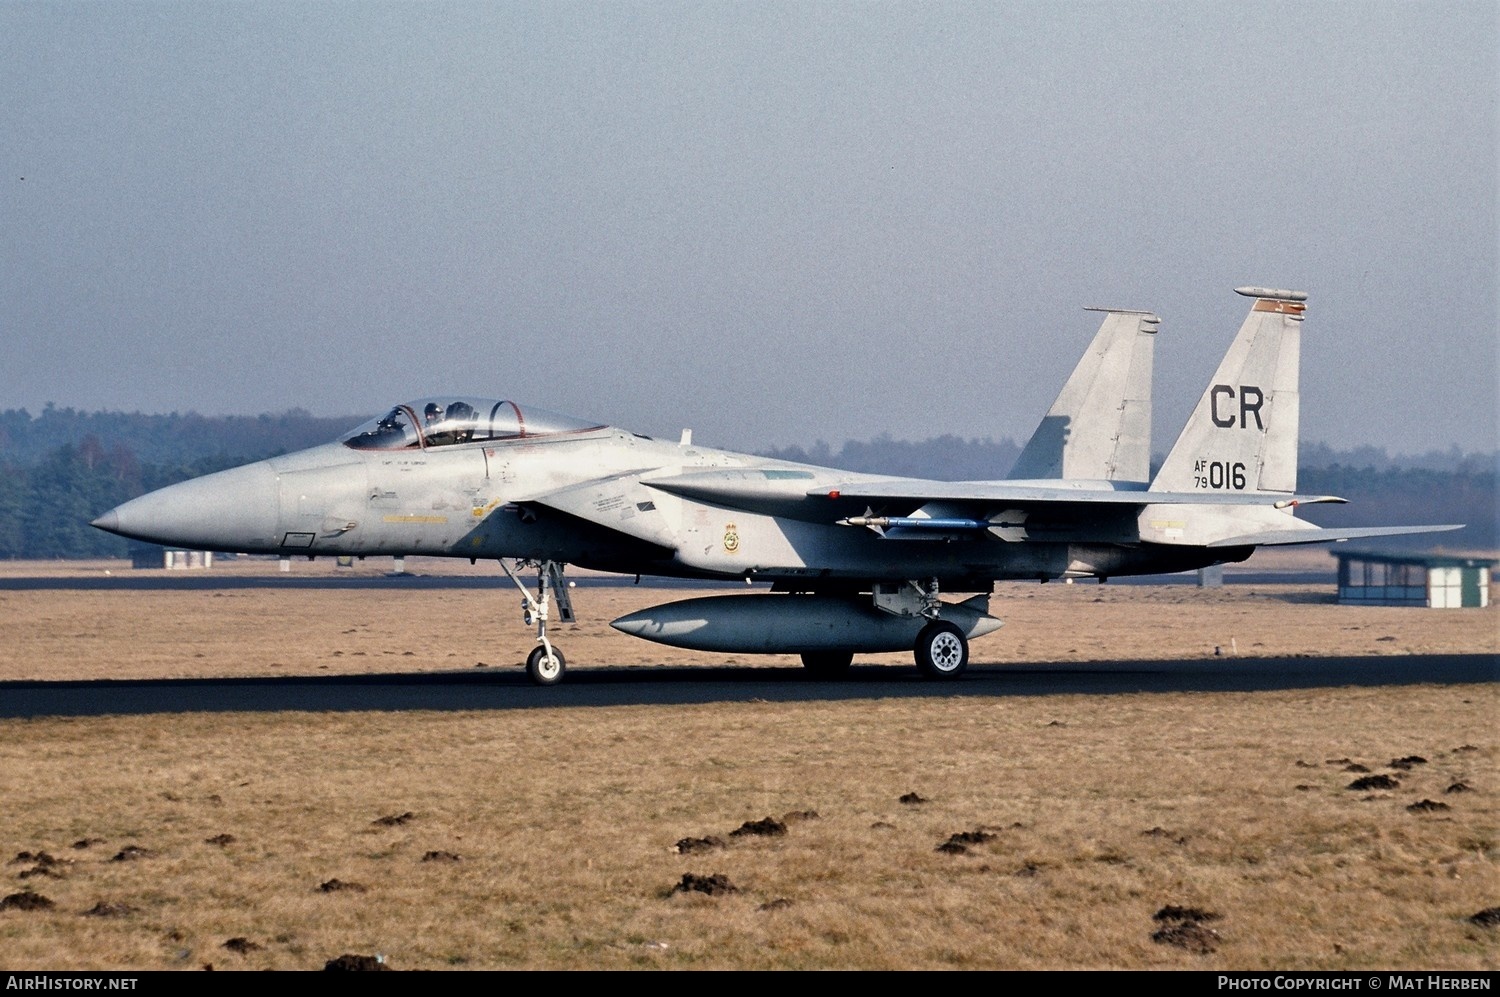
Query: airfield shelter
1436	581
171	558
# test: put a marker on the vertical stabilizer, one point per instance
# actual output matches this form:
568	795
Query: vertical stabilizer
1242	437
1100	425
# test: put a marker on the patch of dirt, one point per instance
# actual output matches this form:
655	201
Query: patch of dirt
798	816
1459	787
1355	767
1375	782
356	963
958	843
1171	912
716	885
242	945
1487	918
978	836
1184	928
768	827
220	839
105	908
1465	748
337	885
913	799
1189	935
780	903
39	870
1426	806
1407	762
26	900
132	852
40	858
693	846
440	856
83	843
394	820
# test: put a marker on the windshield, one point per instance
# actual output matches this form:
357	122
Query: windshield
442	422
392	431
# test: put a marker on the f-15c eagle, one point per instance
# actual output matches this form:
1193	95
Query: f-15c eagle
858	563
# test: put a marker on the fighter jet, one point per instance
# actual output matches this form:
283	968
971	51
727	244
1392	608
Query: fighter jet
857	563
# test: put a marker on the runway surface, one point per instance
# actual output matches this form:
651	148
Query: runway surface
509	689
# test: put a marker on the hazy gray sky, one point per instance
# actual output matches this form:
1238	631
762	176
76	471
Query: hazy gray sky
772	222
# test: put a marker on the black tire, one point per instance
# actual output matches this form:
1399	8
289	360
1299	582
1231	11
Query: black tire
542	670
827	664
942	650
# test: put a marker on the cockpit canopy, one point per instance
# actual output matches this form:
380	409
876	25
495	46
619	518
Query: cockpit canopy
448	421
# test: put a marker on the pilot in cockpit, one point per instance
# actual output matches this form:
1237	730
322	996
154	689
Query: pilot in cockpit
460	421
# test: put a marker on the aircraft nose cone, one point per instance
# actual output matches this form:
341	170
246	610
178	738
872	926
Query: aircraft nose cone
234	510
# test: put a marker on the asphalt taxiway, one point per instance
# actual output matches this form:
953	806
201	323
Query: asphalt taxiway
600	685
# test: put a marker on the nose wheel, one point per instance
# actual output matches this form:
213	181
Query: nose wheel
545	663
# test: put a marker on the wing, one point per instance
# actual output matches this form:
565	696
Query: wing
907	508
1050	492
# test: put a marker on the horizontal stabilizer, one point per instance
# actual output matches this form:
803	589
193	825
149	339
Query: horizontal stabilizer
1282	538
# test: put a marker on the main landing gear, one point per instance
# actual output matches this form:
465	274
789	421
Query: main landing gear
942	650
545	663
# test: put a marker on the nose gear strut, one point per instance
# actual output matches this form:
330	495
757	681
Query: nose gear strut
545	664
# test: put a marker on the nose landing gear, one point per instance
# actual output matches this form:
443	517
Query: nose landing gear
545	664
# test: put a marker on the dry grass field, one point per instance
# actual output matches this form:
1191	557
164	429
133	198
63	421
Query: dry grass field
908	833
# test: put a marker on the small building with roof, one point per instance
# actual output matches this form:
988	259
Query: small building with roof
1437	581
144	555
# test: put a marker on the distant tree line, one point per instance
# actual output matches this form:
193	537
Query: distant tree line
61	469
28	439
